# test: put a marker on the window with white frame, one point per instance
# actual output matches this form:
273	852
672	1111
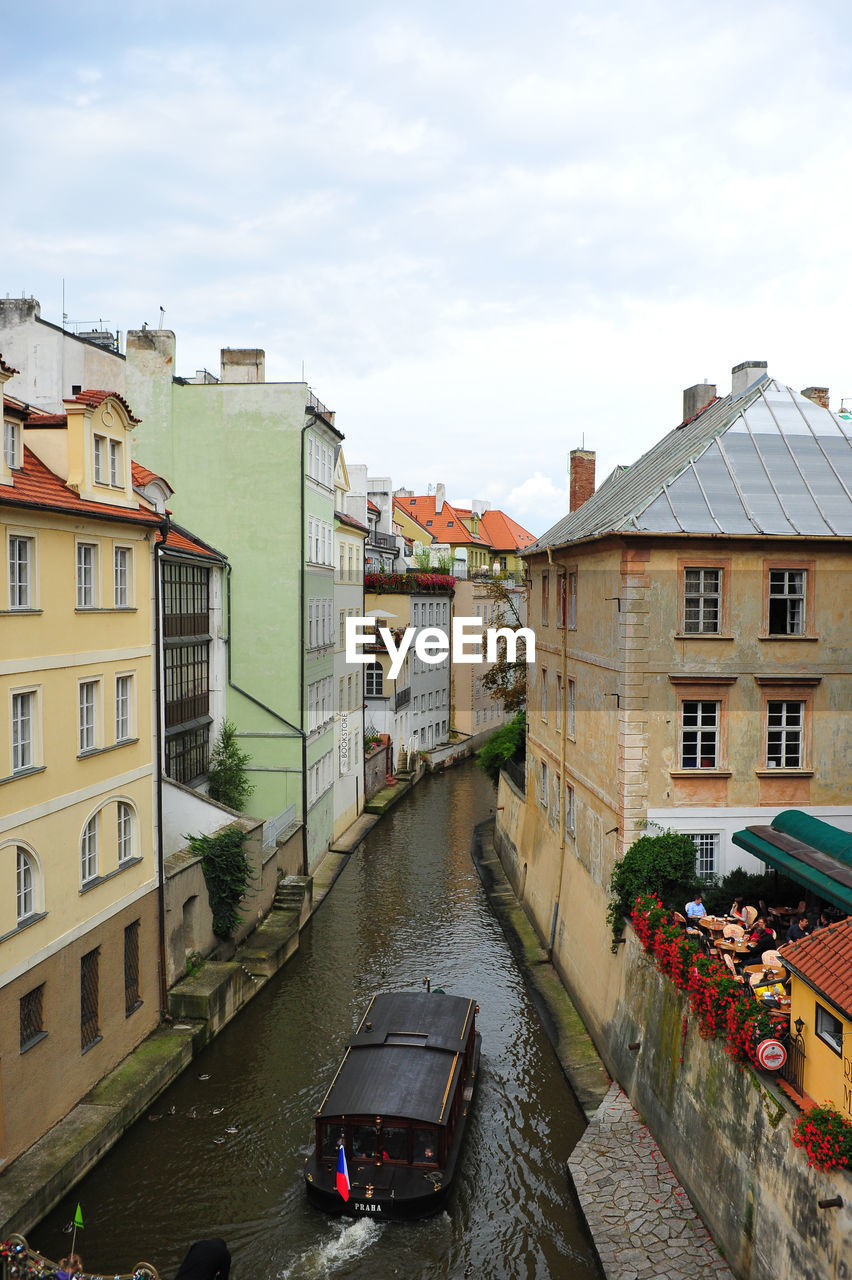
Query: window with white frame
569	809
787	602
116	478
89	851
373	680
23	730
25	886
702	601
87	701
699	734
121	577
123	707
12	444
124	832
87	564
784	735
99	452
706	852
21	562
829	1029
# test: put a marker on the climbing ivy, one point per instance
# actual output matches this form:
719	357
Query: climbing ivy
227	874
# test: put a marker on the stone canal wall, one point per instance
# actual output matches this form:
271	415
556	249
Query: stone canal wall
726	1130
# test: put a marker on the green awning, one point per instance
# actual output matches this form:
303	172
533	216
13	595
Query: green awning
815	854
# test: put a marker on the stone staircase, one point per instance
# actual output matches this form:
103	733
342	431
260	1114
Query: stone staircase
290	894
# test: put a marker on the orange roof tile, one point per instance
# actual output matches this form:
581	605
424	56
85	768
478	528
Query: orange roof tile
93	397
445	526
35	485
7	368
371	506
824	960
504	533
142	476
180	539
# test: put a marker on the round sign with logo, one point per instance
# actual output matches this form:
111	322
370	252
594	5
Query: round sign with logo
771	1054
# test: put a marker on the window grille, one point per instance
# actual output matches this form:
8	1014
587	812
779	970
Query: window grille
98	450
187	687
188	754
32	1017
702	601
131	967
706	852
186	600
11	444
115	477
121	577
700	735
786	602
123	686
85	575
784	723
89	1029
22	731
87	715
373	680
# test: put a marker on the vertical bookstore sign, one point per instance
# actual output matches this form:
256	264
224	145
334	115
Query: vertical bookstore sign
344	744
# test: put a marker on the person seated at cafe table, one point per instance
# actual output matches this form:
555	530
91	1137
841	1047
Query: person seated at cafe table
695	908
799	928
737	911
760	938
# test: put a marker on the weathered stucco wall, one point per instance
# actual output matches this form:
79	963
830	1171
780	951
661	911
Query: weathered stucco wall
725	1130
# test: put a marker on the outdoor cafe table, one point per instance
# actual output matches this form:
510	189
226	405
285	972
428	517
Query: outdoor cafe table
732	946
713	924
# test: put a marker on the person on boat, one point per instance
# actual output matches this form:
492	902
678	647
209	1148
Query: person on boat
70	1267
206	1260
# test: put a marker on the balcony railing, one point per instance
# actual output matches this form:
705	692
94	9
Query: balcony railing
793	1070
383	540
402	697
315	405
180	710
517	771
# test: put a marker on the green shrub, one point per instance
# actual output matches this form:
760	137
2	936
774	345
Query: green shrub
663	864
227	875
506	743
226	773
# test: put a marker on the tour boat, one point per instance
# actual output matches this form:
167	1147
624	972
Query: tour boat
389	1130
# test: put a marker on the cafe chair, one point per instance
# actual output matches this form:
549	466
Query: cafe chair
729	964
733	931
772	959
750	915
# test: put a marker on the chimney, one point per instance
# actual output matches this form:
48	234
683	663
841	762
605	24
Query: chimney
745	375
479	505
819	395
440	498
243	364
697	398
582	476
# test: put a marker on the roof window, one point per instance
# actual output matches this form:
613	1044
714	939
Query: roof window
449	524
428	521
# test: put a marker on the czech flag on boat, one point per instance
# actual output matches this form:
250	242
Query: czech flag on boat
342	1173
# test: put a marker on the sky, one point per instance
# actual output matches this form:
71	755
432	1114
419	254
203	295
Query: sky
489	233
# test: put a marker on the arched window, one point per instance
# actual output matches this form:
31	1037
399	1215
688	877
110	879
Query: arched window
373	680
26	887
125	832
89	851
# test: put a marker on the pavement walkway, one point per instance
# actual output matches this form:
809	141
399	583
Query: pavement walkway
641	1219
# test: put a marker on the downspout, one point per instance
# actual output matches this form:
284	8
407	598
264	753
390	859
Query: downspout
309	423
159	738
562	748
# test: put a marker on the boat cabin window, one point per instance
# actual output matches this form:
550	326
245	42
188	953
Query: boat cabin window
365	1141
332	1135
394	1143
425	1146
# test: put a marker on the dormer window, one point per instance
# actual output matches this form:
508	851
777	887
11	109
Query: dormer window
107	462
12	444
100	459
115	477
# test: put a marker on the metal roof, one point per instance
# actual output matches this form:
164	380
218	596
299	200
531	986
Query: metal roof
767	461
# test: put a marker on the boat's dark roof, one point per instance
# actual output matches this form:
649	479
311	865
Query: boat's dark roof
404	1058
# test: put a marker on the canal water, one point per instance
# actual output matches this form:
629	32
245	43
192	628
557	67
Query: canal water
221	1152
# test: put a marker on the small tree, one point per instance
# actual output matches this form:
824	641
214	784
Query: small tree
423	559
226	772
663	864
506	743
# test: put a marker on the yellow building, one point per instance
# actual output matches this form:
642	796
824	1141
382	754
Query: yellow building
79	920
821	1012
692	657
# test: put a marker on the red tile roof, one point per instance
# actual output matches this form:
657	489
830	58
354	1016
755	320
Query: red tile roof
142	476
180	539
371	506
350	520
825	961
504	533
445	526
92	398
7	368
35	485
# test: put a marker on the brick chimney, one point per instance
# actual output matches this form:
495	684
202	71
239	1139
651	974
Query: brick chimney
697	398
582	476
819	395
242	364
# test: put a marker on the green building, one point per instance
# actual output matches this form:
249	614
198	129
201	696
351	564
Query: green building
252	466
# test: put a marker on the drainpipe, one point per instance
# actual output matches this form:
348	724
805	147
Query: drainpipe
562	748
159	734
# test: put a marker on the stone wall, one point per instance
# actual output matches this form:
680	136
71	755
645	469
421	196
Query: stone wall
726	1130
377	765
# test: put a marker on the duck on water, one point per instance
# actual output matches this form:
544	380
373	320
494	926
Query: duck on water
389	1130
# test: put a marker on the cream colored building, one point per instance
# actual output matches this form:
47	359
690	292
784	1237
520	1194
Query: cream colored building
79	920
693	657
350	534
